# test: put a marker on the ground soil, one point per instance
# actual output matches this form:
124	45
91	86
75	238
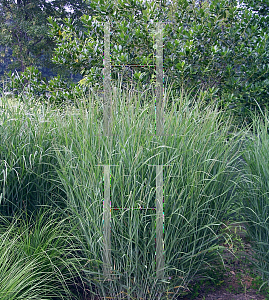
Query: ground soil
232	288
239	276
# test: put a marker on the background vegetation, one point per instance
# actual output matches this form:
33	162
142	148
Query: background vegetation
217	48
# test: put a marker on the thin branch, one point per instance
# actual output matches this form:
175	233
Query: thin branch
38	41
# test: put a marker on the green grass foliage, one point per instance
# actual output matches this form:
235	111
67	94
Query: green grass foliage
52	160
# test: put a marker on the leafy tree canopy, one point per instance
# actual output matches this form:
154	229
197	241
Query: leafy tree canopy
214	46
24	29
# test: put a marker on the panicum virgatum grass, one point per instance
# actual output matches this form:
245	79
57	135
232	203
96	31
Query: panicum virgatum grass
255	192
51	157
199	171
26	134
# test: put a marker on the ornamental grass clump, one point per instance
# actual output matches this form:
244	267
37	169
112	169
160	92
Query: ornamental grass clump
255	193
37	259
199	176
26	133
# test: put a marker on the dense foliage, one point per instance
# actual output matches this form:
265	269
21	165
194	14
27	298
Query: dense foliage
213	175
212	47
213	172
56	90
24	30
52	159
